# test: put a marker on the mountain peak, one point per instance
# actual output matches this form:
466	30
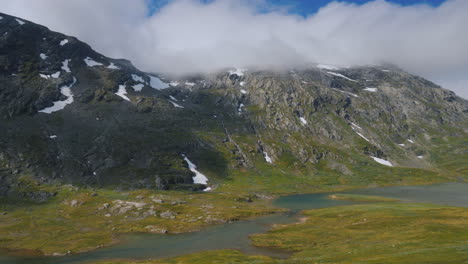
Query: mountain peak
73	115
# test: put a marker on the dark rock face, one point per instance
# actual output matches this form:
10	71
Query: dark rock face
222	121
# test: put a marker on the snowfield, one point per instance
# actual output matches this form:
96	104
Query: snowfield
356	128
348	93
240	108
92	63
157	84
199	178
175	104
59	105
370	89
54	75
361	135
138	87
328	67
267	157
382	161
122	92
21	22
113	66
303	121
341	75
65	65
137	78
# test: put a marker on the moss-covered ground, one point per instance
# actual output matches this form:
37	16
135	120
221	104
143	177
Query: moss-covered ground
367	233
80	219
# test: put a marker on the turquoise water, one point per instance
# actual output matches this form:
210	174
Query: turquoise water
236	235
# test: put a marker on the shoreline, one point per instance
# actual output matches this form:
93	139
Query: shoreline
25	252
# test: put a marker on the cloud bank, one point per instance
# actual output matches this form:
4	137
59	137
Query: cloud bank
187	36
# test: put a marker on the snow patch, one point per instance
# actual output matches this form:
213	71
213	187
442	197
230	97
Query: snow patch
401	145
92	63
21	22
138	87
189	83
382	161
157	84
65	65
341	75
328	67
242	83
243	91
355	126
113	66
348	93
173	84
371	89
420	157
59	105
240	108
173	98
137	78
199	178
361	135
53	136
54	75
238	72
267	157
43	56
175	104
303	120
63	42
122	92
410	141
1	17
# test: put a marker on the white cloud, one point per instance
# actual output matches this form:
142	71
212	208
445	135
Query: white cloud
188	36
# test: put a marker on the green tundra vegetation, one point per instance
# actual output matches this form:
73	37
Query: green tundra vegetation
365	233
80	219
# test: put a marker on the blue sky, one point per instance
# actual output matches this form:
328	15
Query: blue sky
308	7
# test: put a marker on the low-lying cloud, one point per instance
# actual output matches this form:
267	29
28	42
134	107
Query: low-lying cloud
187	36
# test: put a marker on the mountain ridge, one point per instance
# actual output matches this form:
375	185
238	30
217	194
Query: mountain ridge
129	129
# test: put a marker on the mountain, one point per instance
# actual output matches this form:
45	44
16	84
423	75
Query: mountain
71	115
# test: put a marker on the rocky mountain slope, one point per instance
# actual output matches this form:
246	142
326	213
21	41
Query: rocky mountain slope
71	115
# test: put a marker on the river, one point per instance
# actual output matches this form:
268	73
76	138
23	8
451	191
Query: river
236	235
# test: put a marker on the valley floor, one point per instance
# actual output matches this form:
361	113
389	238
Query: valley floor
78	220
369	233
